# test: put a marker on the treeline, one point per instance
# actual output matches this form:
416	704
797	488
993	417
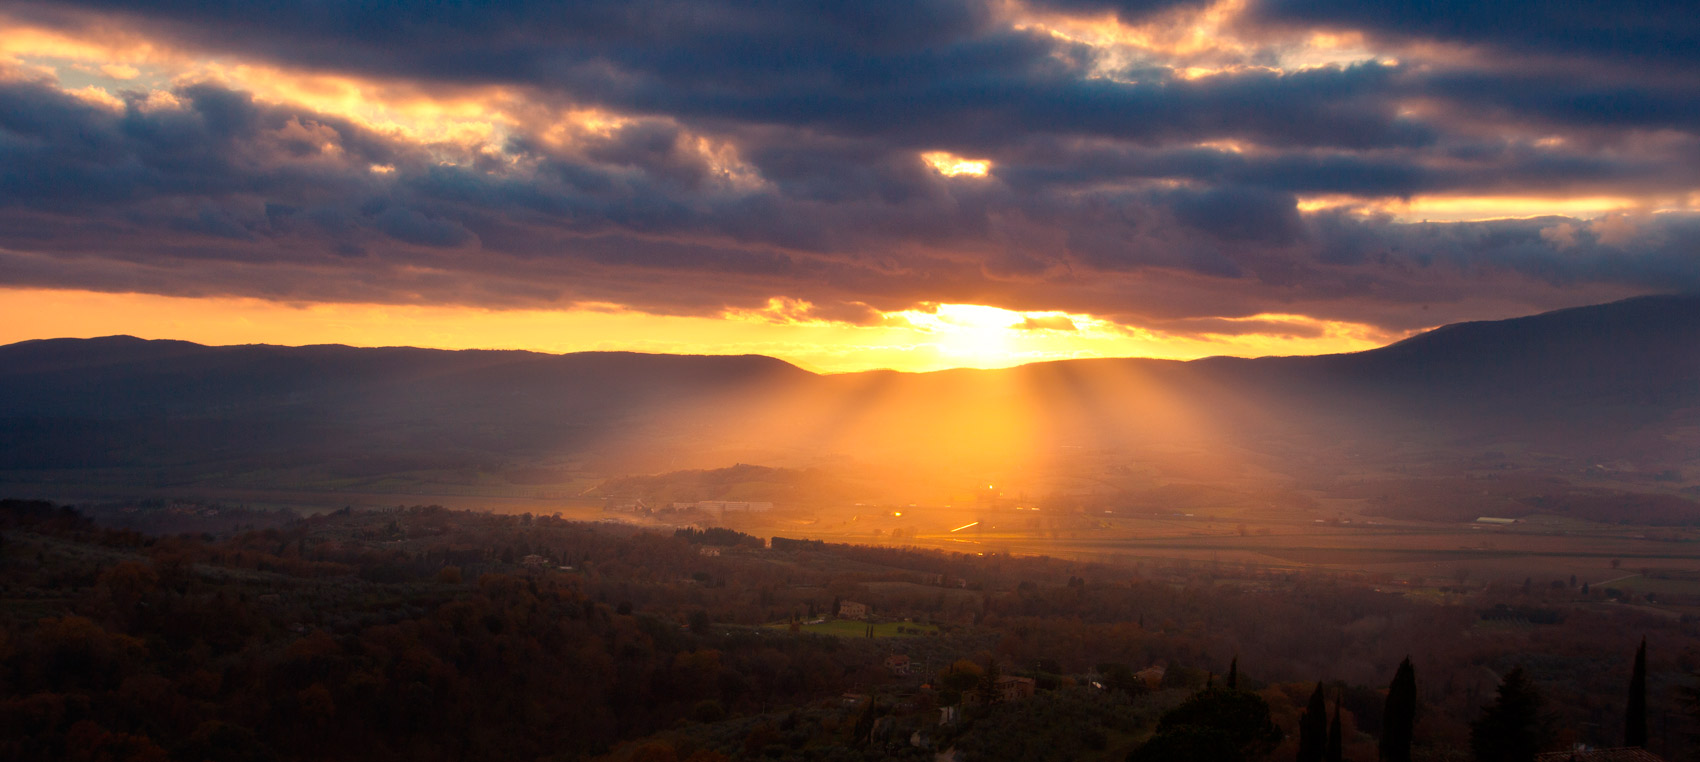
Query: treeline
719	536
1230	723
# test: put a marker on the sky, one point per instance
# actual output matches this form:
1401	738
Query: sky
914	185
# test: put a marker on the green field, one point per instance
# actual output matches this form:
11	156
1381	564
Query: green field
851	628
1642	584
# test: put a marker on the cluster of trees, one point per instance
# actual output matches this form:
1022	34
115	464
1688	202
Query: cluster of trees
1230	724
182	648
1516	727
719	536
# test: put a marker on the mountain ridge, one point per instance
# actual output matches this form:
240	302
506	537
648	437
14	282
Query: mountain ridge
1680	305
1606	383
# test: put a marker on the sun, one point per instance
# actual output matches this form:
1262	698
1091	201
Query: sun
971	335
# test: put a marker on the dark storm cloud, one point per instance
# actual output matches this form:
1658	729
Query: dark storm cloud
1568	99
1474	165
916	74
1112	187
221	195
1657	32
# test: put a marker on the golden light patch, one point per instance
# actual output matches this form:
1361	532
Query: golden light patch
108	47
1477	208
98	97
1183	32
951	165
454	125
1484	208
464	118
159	100
1195	42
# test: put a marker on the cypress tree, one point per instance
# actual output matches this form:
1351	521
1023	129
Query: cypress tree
863	731
1635	723
1234	674
1333	751
1399	718
1510	729
1313	728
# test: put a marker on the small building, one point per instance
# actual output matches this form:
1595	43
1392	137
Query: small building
1152	675
708	550
854	700
897	664
1495	520
1012	688
852	610
534	561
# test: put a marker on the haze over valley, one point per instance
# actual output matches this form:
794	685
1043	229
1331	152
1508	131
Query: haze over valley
1092	457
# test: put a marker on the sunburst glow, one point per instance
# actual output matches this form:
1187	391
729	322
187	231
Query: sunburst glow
953	166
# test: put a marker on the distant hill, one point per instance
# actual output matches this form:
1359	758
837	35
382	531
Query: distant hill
1618	382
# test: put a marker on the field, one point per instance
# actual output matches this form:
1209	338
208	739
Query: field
851	628
1541	548
1109	512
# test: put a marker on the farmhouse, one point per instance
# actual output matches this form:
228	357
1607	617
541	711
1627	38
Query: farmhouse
852	610
897	664
1012	688
1152	675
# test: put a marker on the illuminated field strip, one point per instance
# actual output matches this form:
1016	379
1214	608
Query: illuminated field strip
965	526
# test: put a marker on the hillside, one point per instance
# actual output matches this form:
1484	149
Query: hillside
1615	384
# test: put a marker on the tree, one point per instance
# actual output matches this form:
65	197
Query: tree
1241	718
1188	744
1333	751
1234	674
1400	716
989	683
864	728
1313	727
1689	697
1510	729
1635	721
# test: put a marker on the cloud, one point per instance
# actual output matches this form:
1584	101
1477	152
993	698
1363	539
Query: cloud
1644	32
1562	235
700	158
1047	323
